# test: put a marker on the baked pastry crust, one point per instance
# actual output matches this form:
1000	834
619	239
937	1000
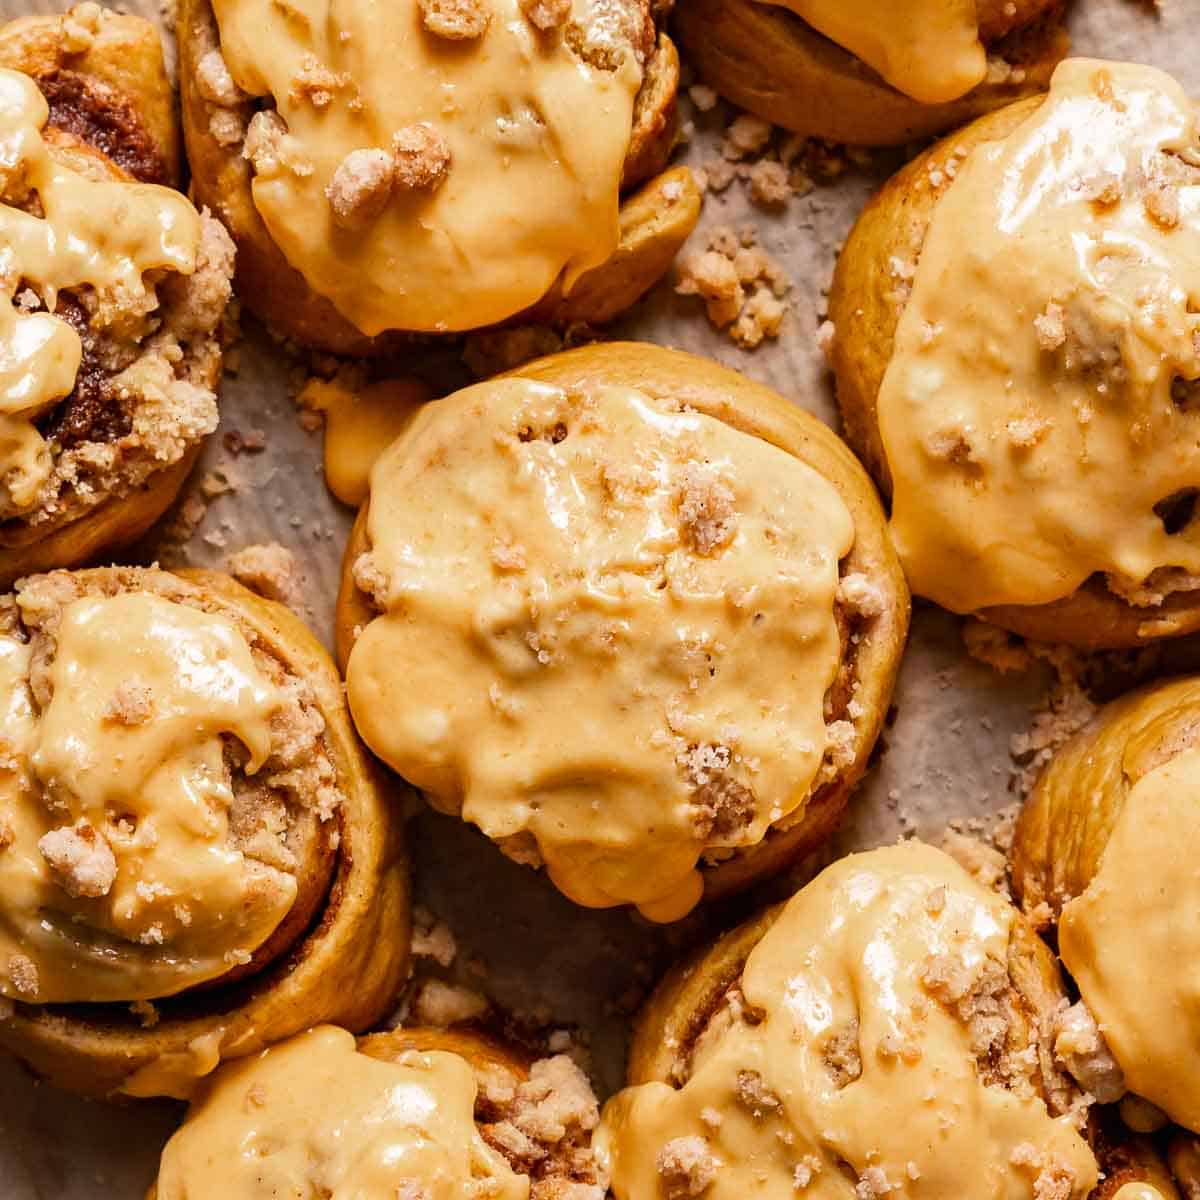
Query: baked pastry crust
346	965
111	108
871	660
653	227
865	312
767	60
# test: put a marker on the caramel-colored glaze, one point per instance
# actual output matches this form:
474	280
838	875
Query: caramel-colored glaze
932	53
359	427
1027	412
106	235
536	138
318	1115
608	630
854	1069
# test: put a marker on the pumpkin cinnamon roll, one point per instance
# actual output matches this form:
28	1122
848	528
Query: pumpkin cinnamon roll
435	165
1017	357
864	73
413	1112
629	613
1106	850
878	1035
195	857
115	290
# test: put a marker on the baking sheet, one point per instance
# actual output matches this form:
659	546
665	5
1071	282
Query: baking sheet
945	755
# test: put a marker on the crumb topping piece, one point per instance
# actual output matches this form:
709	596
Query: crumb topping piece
742	286
269	569
421	156
877	1040
627	560
455	20
361	187
546	14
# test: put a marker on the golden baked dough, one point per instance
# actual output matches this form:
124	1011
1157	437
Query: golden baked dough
1064	556
291	273
856	616
1106	846
882	1030
122	418
477	1118
129	964
769	61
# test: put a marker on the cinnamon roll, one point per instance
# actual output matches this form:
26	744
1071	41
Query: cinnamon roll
196	858
1016	355
634	616
115	292
435	165
879	1034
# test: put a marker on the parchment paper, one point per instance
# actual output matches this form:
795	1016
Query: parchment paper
946	754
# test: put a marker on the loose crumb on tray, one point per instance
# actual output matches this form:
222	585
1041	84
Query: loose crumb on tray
269	569
742	287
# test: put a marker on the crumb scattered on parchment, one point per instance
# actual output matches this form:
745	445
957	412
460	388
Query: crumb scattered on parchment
742	287
251	441
269	569
432	938
186	520
773	164
1066	707
442	1004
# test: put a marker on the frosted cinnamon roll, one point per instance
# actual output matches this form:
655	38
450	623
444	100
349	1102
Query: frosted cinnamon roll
115	290
1106	849
195	857
435	165
868	72
413	1112
629	613
880	1034
1017	360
